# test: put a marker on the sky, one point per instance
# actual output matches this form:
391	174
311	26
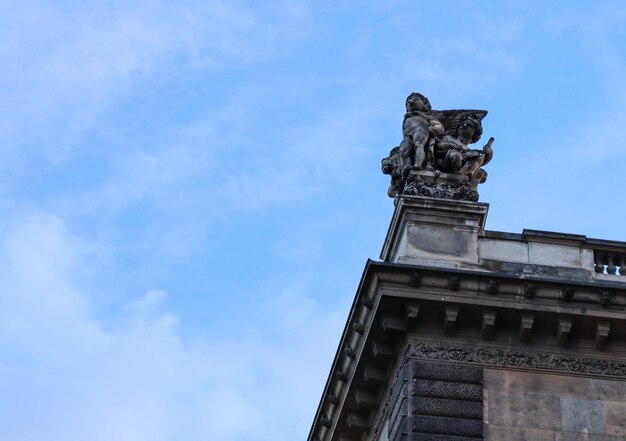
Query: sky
190	189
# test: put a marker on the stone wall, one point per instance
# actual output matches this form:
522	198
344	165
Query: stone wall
435	402
520	406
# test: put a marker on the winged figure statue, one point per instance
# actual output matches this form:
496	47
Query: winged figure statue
436	142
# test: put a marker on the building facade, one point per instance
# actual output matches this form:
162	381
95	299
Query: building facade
460	333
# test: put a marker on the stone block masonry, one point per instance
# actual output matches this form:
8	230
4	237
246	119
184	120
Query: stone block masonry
436	402
538	406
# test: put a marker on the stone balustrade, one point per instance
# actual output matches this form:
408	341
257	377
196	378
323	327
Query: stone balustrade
609	262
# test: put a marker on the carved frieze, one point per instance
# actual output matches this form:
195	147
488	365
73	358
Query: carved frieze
513	358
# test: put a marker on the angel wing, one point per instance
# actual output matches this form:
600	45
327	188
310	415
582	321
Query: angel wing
451	119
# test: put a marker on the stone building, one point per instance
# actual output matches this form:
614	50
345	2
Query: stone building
460	333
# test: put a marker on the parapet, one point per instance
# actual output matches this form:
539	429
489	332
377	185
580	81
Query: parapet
451	234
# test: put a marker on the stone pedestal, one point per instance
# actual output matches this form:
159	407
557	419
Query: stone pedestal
441	231
435	184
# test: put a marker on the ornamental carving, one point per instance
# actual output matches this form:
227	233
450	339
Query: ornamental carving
434	158
519	359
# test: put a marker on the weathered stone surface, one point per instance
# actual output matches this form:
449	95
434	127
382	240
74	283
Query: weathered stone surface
615	418
448	408
446	426
547	254
447	389
397	419
577	436
499	433
444	399
435	230
547	384
434	437
493	379
503	250
583	416
445	371
398	405
608	390
585	408
432	240
524	410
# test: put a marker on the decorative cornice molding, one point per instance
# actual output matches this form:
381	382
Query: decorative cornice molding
521	359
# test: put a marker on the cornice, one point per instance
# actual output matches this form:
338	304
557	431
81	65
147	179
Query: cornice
509	313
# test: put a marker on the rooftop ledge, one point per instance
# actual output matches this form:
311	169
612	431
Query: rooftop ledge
446	233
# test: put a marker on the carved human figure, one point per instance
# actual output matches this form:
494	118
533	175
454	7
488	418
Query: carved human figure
418	130
434	158
451	150
392	166
473	164
453	155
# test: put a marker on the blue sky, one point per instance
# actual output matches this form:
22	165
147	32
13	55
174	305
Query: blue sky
190	190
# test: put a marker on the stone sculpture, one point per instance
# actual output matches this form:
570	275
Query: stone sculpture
434	158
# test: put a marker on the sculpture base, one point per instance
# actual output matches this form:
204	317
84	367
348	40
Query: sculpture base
434	184
427	231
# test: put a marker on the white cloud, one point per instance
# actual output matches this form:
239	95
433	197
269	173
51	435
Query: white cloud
64	65
68	373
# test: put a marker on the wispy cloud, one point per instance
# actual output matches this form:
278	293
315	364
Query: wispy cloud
65	64
69	374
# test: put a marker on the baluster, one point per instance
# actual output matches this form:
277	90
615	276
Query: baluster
610	268
598	259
